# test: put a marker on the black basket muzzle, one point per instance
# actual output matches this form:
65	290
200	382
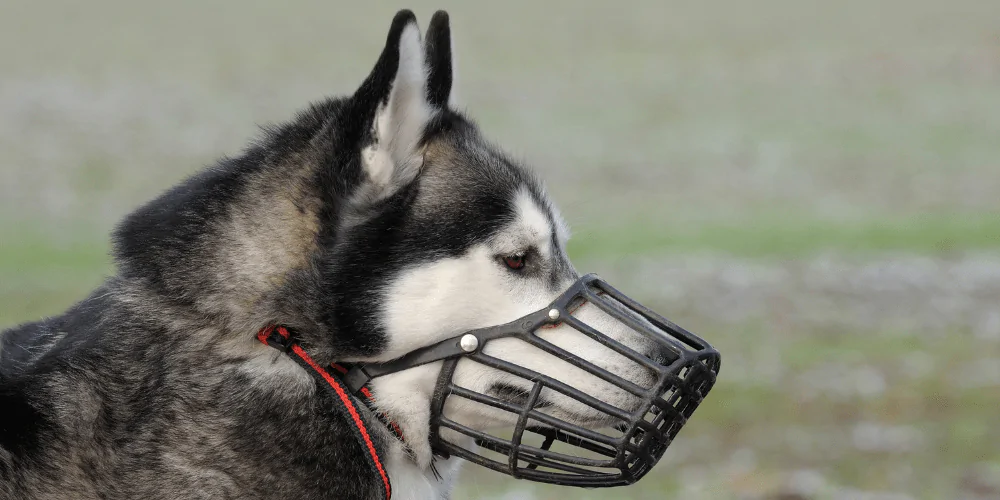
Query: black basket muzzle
545	448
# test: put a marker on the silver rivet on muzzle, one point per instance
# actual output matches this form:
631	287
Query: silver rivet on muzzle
553	314
469	342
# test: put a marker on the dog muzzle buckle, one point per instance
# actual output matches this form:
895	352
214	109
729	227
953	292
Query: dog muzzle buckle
543	447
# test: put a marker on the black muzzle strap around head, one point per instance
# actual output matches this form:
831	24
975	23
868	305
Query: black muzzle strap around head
346	403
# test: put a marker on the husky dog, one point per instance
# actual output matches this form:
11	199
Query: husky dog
372	225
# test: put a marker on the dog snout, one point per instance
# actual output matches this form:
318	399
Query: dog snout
662	355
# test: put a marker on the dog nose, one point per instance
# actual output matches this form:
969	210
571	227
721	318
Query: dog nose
662	355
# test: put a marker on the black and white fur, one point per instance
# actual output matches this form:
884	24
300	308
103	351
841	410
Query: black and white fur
372	225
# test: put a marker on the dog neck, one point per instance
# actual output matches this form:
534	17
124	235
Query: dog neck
407	461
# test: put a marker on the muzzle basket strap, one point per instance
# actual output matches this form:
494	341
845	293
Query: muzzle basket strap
569	454
684	369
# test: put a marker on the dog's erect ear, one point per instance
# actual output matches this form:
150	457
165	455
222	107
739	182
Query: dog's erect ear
395	99
437	51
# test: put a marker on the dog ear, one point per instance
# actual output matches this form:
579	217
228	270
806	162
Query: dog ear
440	62
394	98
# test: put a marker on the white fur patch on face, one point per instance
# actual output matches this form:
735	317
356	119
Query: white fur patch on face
562	229
531	228
433	301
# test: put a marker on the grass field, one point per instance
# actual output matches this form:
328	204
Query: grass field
813	186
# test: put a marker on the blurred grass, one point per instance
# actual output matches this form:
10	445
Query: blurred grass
903	430
65	267
777	132
792	236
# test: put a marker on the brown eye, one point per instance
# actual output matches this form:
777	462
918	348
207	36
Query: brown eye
514	262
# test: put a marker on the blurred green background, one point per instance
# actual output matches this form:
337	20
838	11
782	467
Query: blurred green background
813	186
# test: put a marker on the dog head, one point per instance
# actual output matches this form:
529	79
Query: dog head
443	234
380	223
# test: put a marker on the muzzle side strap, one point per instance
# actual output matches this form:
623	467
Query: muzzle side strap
280	338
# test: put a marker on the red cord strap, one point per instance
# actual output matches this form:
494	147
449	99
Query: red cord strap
369	401
280	338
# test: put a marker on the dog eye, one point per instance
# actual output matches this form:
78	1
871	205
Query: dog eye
514	262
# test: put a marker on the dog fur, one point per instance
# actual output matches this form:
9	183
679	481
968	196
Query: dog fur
372	225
